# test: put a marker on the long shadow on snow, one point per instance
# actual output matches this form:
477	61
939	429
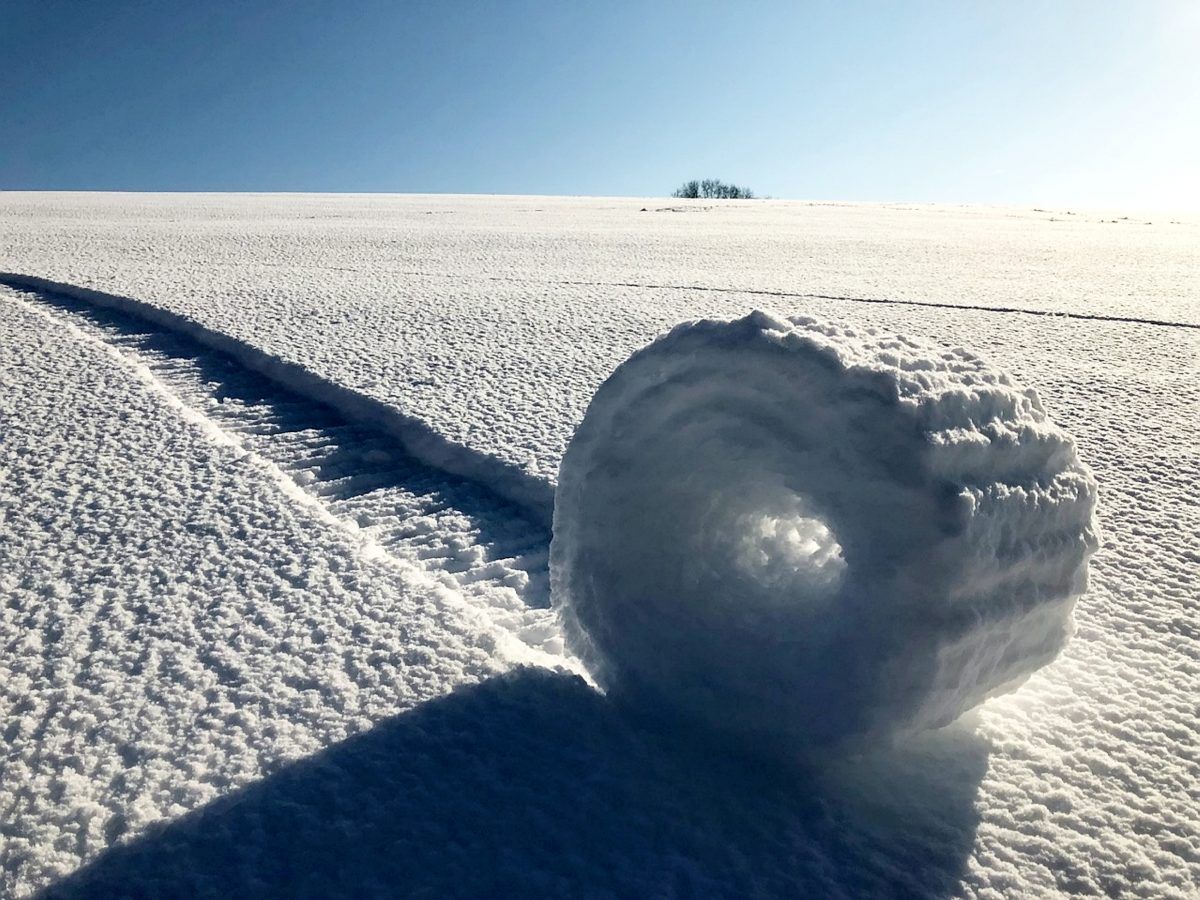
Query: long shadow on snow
532	785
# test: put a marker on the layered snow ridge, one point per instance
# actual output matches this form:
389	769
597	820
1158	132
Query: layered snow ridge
801	533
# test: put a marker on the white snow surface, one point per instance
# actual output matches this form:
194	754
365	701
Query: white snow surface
176	620
476	317
259	638
799	533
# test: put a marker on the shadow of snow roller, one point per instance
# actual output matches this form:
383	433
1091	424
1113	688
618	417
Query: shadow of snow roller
798	534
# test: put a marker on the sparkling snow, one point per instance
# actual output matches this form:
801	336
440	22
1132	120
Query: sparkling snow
254	619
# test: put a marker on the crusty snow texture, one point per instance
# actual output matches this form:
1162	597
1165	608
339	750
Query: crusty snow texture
804	533
494	320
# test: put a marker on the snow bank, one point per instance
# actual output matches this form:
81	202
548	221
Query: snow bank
801	533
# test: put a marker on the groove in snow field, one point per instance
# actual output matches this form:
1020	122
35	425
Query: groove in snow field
414	435
800	534
467	538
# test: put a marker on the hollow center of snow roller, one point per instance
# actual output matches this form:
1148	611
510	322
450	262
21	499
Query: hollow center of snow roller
725	535
785	544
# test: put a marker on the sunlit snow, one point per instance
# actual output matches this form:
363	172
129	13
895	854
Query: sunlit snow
277	478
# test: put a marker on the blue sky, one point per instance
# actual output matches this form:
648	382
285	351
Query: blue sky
1083	103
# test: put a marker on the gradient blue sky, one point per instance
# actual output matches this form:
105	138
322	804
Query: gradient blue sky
1083	103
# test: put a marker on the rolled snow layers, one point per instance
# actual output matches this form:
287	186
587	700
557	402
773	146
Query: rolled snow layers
802	534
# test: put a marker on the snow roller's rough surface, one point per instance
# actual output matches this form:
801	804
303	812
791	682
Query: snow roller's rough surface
804	533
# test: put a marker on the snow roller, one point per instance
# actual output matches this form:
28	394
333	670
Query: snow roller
804	534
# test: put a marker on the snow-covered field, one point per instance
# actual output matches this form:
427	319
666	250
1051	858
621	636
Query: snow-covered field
276	477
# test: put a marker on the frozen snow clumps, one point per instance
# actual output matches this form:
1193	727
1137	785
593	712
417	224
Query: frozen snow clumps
801	534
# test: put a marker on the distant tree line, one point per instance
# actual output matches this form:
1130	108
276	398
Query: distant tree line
712	189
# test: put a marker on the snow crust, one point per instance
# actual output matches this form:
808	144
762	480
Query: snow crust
799	532
177	617
493	321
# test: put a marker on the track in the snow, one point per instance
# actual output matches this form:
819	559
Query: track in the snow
455	530
841	298
498	477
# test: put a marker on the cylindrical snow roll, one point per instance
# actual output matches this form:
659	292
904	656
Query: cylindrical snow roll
795	532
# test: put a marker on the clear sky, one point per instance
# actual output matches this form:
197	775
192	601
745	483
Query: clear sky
1090	103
